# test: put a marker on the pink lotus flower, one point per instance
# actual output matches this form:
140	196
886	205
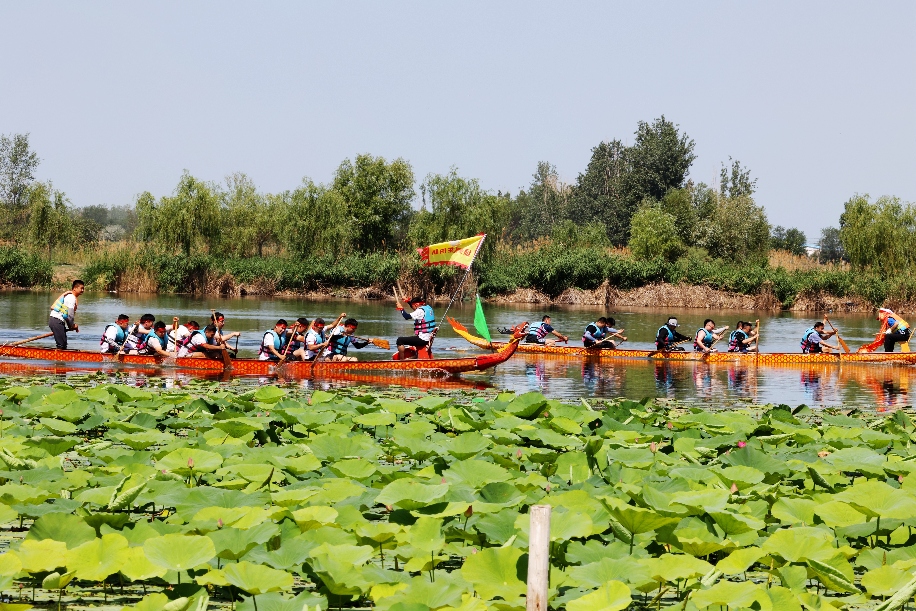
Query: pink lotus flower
219	523
443	481
669	426
518	453
653	447
900	478
548	488
190	463
469	511
734	489
473	550
742	444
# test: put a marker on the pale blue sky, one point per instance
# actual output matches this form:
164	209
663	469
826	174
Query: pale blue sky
816	98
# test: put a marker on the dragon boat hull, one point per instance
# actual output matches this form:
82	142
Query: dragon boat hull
296	369
765	358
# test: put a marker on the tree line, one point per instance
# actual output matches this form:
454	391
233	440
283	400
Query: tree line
637	196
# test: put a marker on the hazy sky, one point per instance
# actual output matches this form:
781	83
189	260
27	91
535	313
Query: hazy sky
817	99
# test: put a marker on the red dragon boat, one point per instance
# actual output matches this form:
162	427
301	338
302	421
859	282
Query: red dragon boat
254	367
751	358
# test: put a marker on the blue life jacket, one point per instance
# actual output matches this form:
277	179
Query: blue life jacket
708	339
806	343
279	343
667	341
736	341
137	338
427	323
598	333
339	343
120	338
162	341
538	329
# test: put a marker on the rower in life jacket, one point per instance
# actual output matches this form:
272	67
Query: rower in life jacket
813	340
273	344
707	335
424	329
63	314
599	333
742	337
895	329
157	342
202	344
341	338
666	337
114	335
537	333
138	334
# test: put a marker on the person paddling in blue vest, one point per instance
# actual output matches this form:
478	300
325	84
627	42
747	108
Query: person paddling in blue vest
315	340
273	344
742	337
599	333
813	339
341	338
137	335
202	345
63	314
157	342
424	325
707	335
114	335
666	338
538	332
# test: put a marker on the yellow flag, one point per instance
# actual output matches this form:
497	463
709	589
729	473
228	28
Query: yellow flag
456	252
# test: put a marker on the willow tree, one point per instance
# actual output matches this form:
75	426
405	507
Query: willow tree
188	219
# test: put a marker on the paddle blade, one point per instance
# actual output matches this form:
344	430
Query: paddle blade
384	344
480	321
843	344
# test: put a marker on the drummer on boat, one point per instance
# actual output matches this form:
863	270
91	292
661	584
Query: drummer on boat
538	332
813	340
424	327
114	335
63	314
895	330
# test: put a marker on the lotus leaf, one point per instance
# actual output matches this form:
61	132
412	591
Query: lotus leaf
799	544
314	516
885	580
476	473
354	467
56	581
233	543
71	530
420	592
612	596
178	552
794	511
256	578
598	573
573	467
739	560
338	566
185	461
835	573
838	513
239	427
730	594
96	560
637	520
467	445
495	572
426	535
702	501
275	601
736	523
10	565
45	555
411	494
877	499
674	567
136	566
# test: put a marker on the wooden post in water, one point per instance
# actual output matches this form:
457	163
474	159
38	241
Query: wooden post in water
538	558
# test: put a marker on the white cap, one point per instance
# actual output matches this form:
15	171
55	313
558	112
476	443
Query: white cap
672	322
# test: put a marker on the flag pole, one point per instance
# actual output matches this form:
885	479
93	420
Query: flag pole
460	284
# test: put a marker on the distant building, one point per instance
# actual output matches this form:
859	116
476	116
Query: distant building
812	250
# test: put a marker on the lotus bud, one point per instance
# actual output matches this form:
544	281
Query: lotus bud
547	414
636	440
219	523
734	489
1	412
190	463
470	510
259	414
669	426
742	444
653	447
164	471
900	478
473	550
823	453
442	481
267	414
518	453
388	507
548	487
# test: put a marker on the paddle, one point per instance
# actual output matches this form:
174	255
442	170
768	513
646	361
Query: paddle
26	341
120	355
174	335
595	345
838	338
384	344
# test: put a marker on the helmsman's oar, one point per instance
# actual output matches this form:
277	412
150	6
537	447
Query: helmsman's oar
26	341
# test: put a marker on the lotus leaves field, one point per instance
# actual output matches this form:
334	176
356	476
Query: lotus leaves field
277	500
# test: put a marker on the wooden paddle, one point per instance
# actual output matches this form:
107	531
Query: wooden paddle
838	338
384	344
174	335
26	341
596	344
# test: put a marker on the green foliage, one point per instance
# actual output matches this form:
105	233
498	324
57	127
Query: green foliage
791	240
541	207
878	233
654	233
189	219
736	180
831	246
20	268
659	160
738	230
17	170
600	193
377	197
250	220
699	508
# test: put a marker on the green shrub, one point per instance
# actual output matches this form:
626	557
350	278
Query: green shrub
24	269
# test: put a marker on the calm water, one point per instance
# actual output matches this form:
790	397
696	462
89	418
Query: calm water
23	314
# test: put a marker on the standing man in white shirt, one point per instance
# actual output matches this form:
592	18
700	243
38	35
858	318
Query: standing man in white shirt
63	314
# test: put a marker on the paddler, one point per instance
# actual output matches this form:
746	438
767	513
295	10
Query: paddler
896	330
138	334
315	339
63	314
273	344
200	344
599	334
707	335
218	319
157	342
742	337
537	333
296	348
813	340
666	337
340	338
424	325
114	335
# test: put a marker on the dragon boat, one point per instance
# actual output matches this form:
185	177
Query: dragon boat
294	369
765	358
